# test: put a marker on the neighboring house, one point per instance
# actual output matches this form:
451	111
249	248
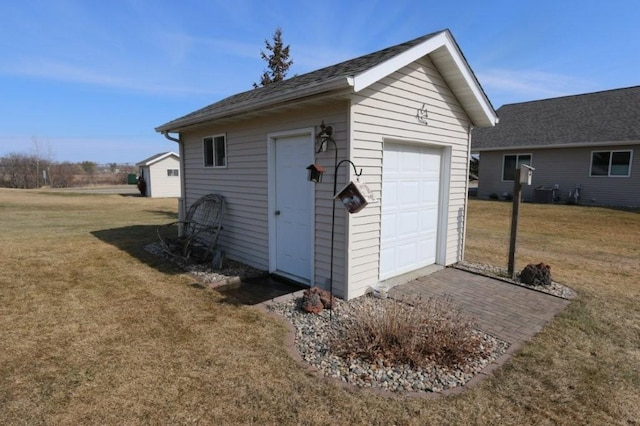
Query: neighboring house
589	141
403	115
161	174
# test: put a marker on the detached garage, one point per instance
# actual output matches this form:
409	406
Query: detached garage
161	175
402	116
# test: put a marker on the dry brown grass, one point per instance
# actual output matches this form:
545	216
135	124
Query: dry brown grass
96	331
430	331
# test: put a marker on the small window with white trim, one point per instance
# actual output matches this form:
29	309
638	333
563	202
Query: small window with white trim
611	163
215	151
173	172
512	161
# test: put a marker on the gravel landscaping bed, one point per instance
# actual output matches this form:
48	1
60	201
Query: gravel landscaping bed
313	333
230	271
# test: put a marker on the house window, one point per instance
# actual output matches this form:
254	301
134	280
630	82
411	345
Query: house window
511	162
173	172
611	163
215	151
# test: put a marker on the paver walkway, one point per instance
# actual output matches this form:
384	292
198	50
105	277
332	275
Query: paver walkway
510	312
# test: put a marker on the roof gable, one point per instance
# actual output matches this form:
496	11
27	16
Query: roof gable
158	157
355	75
451	63
600	118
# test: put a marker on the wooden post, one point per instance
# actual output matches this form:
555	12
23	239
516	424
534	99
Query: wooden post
517	187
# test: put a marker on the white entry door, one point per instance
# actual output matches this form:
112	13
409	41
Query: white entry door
293	207
410	208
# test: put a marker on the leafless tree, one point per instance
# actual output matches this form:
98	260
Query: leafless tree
20	171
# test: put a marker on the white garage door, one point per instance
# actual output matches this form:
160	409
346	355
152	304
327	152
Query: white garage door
410	201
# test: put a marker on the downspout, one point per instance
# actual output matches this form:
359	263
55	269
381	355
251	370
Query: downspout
182	199
466	195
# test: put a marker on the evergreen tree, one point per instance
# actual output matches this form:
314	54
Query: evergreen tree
277	60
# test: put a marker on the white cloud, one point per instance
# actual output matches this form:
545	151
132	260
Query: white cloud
178	46
509	86
70	72
311	58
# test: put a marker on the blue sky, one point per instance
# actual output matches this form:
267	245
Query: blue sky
88	80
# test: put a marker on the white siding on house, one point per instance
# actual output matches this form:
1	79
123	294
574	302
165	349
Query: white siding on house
387	110
159	184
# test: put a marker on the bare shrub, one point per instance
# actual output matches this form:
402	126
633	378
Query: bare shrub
430	331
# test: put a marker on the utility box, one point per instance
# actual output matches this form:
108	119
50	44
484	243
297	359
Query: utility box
543	195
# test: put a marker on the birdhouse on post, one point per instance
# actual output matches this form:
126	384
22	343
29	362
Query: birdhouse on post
315	173
526	173
523	176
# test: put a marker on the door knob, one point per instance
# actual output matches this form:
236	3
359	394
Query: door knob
277	212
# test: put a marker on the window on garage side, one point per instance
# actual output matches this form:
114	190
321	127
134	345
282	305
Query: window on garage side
611	163
215	151
173	172
512	161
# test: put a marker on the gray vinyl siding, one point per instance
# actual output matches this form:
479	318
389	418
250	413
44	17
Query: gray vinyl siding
244	184
566	167
388	109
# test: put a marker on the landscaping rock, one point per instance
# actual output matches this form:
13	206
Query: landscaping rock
536	275
325	296
311	302
316	299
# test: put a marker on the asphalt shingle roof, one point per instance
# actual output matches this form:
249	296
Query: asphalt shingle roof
309	80
591	118
153	158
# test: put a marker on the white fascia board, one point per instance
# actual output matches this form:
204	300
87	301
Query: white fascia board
162	157
443	39
378	72
463	67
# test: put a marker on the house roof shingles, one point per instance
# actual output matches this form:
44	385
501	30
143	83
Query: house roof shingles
588	119
322	77
337	78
